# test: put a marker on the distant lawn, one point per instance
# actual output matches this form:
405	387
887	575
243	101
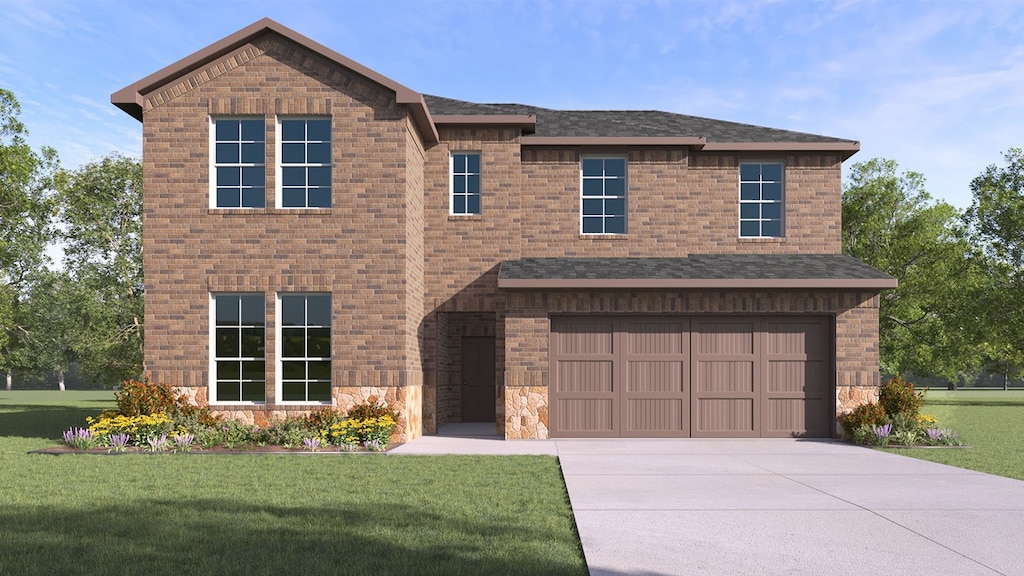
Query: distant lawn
268	514
990	421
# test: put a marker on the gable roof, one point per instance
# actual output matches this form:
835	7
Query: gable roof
719	271
540	126
131	97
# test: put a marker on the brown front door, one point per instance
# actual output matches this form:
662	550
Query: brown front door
477	379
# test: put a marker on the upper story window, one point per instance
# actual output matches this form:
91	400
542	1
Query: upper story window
239	348
305	348
239	163
465	182
305	163
603	203
761	194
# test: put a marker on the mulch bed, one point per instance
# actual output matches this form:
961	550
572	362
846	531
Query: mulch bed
246	449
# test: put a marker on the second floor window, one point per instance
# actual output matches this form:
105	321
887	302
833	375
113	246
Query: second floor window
465	176
239	163
305	176
761	200
603	202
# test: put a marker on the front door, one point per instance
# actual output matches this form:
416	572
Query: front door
477	379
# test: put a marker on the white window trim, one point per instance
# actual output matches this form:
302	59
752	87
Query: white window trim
451	182
741	201
279	144
625	195
212	167
278	355
212	346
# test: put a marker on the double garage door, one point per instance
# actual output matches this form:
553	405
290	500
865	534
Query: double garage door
699	376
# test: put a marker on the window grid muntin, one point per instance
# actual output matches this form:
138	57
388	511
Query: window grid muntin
250	318
304	183
464	183
242	173
288	361
603	189
761	200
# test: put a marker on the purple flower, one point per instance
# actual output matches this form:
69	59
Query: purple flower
183	441
883	431
311	443
119	441
936	434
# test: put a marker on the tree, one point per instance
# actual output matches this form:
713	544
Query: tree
26	208
51	326
101	217
995	221
891	222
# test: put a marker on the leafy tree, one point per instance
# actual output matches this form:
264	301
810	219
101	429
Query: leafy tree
101	217
26	207
51	327
995	220
891	222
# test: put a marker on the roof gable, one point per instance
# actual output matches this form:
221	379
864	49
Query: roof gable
131	98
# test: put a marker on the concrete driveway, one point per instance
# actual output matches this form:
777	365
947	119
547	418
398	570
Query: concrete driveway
658	507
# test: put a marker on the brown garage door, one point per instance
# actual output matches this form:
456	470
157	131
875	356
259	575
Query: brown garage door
690	376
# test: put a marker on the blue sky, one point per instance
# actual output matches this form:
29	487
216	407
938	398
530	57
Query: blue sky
936	85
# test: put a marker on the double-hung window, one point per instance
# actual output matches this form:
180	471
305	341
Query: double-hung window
239	163
761	199
305	349
239	348
603	198
465	183
305	163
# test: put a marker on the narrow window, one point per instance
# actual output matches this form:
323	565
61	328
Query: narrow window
603	196
305	348
239	163
761	200
305	163
465	183
239	348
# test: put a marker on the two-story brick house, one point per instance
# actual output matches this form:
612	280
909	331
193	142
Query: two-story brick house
316	233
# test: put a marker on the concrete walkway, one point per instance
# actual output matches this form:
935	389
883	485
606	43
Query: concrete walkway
658	507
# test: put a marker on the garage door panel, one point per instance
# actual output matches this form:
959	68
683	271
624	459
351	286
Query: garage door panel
655	338
725	337
796	418
583	337
585	376
796	337
793	377
730	376
647	376
585	416
725	416
655	416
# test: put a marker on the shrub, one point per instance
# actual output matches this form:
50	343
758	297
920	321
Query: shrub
869	414
141	397
320	421
138	428
371	409
289	433
897	396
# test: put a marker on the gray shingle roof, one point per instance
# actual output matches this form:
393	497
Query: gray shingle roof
625	123
733	270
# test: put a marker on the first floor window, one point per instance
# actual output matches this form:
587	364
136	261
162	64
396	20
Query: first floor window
603	191
761	192
239	163
239	348
305	348
465	184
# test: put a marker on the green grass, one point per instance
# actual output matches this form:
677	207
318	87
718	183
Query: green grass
991	422
258	514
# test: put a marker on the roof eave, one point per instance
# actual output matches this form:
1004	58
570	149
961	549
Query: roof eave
699	283
527	123
844	148
612	141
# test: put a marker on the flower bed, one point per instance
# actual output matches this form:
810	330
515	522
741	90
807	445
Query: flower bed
896	420
152	418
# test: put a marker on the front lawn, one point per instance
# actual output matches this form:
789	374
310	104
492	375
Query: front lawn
991	422
255	514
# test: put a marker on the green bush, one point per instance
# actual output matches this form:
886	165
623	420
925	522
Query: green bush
142	397
288	433
897	396
371	410
869	414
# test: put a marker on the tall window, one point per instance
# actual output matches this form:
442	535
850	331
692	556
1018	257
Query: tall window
305	177
239	163
761	204
239	348
603	203
465	186
305	348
